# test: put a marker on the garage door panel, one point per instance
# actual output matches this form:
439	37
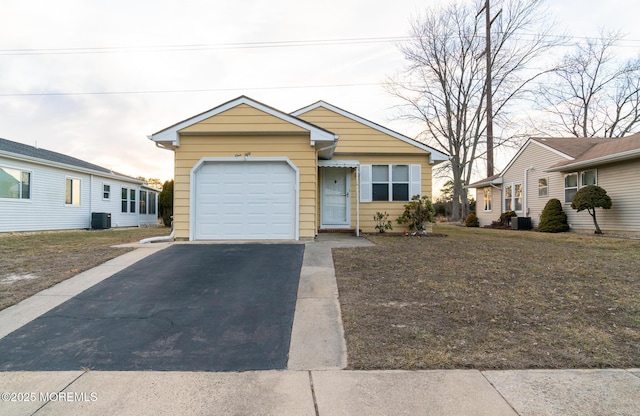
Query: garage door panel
245	200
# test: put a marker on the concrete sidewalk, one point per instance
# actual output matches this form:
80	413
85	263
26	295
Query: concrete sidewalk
315	383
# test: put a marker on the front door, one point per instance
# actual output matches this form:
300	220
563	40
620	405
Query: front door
336	188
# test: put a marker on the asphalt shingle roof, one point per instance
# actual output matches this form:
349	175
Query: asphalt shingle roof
48	155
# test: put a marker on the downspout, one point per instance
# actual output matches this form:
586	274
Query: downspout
90	201
169	237
525	190
358	201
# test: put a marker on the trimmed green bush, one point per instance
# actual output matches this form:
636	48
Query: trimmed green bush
553	219
472	220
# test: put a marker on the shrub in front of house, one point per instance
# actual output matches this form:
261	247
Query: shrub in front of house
417	213
553	219
505	217
472	220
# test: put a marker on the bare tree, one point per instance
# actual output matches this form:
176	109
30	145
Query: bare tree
593	93
443	83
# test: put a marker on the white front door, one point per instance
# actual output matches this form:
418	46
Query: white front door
336	188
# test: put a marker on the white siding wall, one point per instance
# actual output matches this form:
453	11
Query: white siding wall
46	210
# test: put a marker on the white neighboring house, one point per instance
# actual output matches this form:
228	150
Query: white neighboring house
44	190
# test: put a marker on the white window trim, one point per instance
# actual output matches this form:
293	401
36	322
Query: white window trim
485	199
543	187
366	181
22	200
124	200
513	197
582	172
103	191
72	179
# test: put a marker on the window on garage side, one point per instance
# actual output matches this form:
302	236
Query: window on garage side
72	191
15	183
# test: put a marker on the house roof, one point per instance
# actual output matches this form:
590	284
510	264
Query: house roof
578	152
169	137
601	151
491	180
435	155
23	151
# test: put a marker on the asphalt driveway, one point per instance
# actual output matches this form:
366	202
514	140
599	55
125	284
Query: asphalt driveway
208	307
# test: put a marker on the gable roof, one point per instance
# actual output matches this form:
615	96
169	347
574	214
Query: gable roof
170	138
486	182
25	152
435	155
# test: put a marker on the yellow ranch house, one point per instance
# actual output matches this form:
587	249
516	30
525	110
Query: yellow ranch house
247	171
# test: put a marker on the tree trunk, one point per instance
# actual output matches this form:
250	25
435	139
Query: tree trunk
593	214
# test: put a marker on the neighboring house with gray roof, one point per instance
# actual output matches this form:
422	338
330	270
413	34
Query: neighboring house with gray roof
546	168
45	190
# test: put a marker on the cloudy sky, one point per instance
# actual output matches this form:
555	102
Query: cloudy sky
92	79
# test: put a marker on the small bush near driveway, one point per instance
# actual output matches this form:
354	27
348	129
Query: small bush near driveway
31	262
491	299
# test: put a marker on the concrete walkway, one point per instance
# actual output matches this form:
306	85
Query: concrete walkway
314	384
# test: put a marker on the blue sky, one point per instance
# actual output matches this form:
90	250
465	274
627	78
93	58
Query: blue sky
92	79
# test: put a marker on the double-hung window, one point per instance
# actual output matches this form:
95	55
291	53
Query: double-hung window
513	197
570	187
15	183
487	196
589	177
132	200
543	187
390	182
125	200
72	191
106	191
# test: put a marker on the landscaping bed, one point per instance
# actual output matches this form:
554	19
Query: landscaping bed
491	299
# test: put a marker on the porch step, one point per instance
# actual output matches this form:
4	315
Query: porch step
337	230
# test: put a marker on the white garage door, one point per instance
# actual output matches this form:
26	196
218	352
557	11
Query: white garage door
245	200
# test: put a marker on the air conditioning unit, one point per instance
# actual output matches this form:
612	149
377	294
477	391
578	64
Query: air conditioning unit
521	223
100	220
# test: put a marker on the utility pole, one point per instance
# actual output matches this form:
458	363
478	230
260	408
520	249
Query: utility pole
488	87
489	93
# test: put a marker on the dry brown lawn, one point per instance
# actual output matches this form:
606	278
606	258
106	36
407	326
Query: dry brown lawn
31	262
491	299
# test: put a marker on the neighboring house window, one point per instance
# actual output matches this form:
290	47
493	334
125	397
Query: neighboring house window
543	187
132	200
143	202
106	191
152	203
15	183
570	187
513	197
72	192
589	177
390	182
488	193
125	200
508	198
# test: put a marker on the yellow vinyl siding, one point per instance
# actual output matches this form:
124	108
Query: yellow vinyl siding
356	137
243	118
394	209
297	148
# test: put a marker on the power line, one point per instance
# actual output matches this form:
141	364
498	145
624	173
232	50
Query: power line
53	94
